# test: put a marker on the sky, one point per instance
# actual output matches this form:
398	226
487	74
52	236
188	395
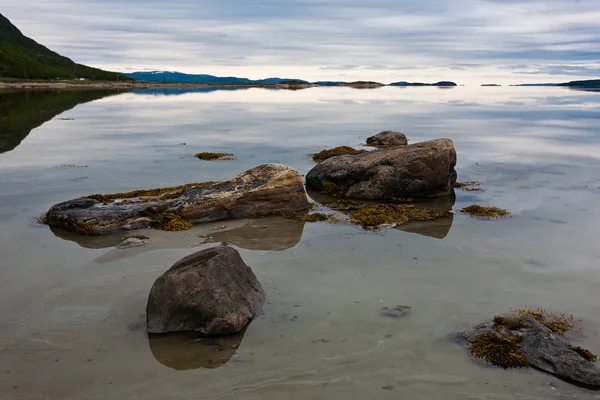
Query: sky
466	41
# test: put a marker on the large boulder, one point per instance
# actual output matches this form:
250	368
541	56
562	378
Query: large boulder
418	170
212	292
387	139
545	350
268	189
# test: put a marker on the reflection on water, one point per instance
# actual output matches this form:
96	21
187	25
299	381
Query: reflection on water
267	234
437	228
20	112
536	152
183	351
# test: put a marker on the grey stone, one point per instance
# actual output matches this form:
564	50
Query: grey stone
212	292
418	170
131	242
267	189
387	139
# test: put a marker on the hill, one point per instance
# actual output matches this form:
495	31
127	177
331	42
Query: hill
589	84
179	77
24	58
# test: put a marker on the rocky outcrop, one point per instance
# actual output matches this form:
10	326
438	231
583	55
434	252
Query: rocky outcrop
418	170
212	292
268	189
544	350
387	139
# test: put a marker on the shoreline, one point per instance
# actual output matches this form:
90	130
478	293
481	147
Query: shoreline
138	85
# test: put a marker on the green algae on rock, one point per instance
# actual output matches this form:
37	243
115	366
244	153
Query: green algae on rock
509	323
336	151
500	350
585	353
472	186
170	222
209	156
335	190
375	215
109	198
488	212
557	322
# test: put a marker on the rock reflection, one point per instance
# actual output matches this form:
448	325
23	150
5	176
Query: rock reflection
267	234
437	228
187	350
23	111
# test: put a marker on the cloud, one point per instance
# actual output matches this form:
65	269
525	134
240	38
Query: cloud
318	39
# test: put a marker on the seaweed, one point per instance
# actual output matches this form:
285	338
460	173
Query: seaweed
170	222
209	156
487	212
585	353
336	151
500	350
375	215
472	186
314	217
42	219
109	198
557	322
512	324
335	190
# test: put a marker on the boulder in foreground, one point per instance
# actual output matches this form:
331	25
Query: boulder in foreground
267	189
387	139
418	170
212	292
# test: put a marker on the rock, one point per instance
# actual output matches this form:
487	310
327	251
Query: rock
395	312
131	242
387	139
212	292
546	351
267	189
418	170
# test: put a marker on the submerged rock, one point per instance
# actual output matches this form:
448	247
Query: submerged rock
212	292
130	242
267	189
388	139
522	341
418	170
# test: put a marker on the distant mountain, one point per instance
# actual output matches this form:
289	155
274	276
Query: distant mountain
179	77
24	58
442	83
588	84
490	84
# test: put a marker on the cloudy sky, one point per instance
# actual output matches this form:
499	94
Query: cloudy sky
468	41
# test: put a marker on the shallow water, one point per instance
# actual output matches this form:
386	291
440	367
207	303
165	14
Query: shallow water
72	308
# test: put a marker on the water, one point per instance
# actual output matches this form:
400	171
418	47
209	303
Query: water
72	308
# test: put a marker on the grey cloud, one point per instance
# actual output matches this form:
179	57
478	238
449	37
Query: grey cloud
349	35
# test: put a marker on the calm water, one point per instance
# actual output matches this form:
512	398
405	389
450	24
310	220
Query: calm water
72	308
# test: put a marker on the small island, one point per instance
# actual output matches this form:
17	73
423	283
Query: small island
439	84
